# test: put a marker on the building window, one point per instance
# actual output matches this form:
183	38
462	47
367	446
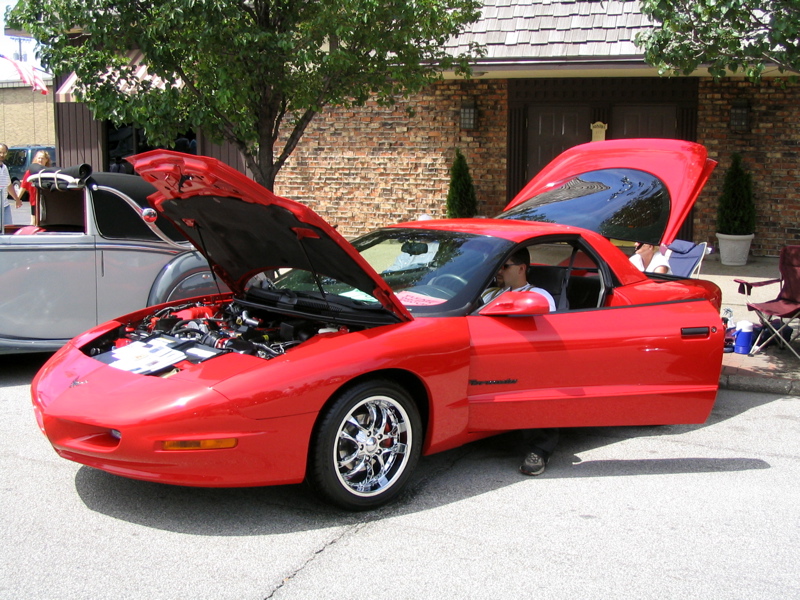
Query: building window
127	140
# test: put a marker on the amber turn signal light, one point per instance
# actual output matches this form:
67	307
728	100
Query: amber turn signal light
199	444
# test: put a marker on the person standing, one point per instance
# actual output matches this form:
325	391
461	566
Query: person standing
512	276
5	184
42	157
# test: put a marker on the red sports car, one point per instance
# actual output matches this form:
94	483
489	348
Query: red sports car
340	363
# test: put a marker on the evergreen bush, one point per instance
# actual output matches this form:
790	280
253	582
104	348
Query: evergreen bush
461	199
736	213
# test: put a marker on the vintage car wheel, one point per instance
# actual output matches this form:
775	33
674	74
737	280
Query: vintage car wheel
366	446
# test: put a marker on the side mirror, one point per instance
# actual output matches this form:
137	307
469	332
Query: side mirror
516	304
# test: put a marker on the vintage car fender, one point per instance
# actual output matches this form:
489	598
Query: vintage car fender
185	276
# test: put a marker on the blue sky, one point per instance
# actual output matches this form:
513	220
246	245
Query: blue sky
10	46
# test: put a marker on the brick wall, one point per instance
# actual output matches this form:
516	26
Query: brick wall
770	150
364	168
26	117
368	167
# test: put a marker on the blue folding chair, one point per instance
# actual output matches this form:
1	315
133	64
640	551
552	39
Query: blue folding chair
685	258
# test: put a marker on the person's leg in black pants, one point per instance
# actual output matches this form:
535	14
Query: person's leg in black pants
541	444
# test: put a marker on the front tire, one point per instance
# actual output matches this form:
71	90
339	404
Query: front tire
366	446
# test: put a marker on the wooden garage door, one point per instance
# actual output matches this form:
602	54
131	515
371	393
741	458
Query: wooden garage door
643	121
553	129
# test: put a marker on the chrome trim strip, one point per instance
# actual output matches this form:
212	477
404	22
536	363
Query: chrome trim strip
46	247
103	245
91	247
139	210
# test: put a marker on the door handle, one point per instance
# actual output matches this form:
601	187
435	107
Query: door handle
694	331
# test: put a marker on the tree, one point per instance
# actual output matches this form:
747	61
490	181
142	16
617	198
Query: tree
736	212
739	36
461	199
251	72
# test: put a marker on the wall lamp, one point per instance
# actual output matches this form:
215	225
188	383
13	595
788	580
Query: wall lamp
740	116
469	114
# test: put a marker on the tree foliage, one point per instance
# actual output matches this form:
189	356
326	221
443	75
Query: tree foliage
250	72
461	199
736	212
746	37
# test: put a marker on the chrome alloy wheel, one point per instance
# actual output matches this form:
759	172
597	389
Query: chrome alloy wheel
372	446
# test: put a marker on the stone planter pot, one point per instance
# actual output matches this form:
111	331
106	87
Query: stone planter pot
734	249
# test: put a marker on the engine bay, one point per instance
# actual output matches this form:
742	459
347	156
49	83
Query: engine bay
198	331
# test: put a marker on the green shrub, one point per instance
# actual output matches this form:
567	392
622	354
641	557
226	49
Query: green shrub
736	213
461	199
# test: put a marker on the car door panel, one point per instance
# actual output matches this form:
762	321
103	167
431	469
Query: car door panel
49	283
126	274
631	365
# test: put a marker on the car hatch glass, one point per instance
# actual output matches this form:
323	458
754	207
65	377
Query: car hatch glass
625	204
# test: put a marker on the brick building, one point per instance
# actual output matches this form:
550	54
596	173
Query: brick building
26	116
552	69
770	148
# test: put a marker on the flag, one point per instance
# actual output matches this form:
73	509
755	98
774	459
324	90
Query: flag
28	75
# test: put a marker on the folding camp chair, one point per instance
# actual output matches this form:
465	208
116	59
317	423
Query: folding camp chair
785	309
685	257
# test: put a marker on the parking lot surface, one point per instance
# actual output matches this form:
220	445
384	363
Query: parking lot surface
696	511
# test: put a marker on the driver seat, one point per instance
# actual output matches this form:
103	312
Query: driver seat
548	278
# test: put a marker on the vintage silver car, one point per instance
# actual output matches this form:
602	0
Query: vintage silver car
98	251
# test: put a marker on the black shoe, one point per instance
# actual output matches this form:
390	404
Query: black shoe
533	464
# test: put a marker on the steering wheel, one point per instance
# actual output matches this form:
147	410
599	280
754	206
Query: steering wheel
448	281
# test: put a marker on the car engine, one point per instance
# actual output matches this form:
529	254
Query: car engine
198	331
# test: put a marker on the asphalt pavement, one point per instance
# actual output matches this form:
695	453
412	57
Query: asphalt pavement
774	370
696	512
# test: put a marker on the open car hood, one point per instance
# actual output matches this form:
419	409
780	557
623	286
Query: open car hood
243	229
638	190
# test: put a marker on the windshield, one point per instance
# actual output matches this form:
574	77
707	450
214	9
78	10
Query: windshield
16	158
430	271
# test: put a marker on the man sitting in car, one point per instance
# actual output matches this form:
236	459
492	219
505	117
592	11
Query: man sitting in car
512	276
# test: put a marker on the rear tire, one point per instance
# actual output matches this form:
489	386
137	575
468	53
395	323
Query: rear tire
366	446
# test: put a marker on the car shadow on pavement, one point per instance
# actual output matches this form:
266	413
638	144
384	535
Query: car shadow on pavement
208	511
480	467
20	369
493	463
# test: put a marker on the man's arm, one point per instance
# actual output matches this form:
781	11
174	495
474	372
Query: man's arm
13	193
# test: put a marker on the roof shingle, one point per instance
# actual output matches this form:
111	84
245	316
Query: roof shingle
548	29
